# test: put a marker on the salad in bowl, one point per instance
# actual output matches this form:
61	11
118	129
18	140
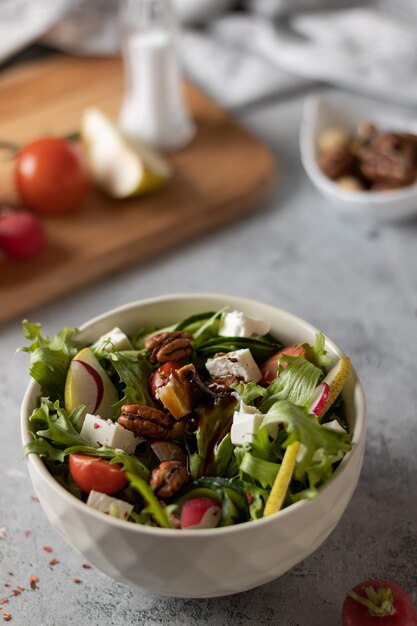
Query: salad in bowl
209	422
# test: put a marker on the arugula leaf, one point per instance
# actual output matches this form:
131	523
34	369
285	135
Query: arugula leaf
194	322
209	329
305	428
51	421
224	459
260	348
42	448
296	383
128	462
257	498
133	371
153	507
50	359
60	428
131	464
140	336
104	452
213	424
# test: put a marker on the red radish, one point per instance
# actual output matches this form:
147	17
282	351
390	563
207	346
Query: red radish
270	367
329	389
378	602
201	513
319	399
22	235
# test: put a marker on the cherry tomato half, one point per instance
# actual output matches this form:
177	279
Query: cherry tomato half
269	368
160	377
51	177
89	472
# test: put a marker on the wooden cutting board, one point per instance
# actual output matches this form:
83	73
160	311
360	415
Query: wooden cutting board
224	173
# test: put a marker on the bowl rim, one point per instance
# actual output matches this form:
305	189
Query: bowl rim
357	437
307	150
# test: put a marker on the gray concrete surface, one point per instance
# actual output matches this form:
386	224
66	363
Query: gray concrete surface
358	283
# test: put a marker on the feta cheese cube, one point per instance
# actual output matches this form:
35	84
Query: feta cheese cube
102	432
111	506
237	324
239	363
116	337
246	423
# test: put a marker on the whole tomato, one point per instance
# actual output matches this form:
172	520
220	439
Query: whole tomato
89	472
51	177
379	603
270	367
160	377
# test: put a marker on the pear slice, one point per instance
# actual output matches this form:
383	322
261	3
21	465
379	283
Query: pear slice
87	383
282	481
117	166
328	390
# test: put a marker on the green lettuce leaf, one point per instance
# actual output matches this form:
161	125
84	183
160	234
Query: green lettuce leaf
295	383
318	354
50	359
305	428
249	392
254	469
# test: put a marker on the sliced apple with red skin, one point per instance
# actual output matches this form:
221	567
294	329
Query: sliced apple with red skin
329	389
270	368
87	383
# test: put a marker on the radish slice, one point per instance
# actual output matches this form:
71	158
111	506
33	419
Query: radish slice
322	399
319	399
200	513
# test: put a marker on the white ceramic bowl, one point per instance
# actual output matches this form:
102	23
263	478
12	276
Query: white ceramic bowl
337	109
202	563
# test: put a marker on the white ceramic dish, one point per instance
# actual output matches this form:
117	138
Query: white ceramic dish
337	109
202	563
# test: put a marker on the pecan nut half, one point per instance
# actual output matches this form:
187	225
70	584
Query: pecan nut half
169	346
145	421
168	478
390	158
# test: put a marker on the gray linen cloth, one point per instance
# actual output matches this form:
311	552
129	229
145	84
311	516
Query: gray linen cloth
244	53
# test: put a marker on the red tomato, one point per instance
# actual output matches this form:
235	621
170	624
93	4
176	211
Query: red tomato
50	176
399	612
89	472
160	377
269	368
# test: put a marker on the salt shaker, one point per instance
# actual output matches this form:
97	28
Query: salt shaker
153	108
